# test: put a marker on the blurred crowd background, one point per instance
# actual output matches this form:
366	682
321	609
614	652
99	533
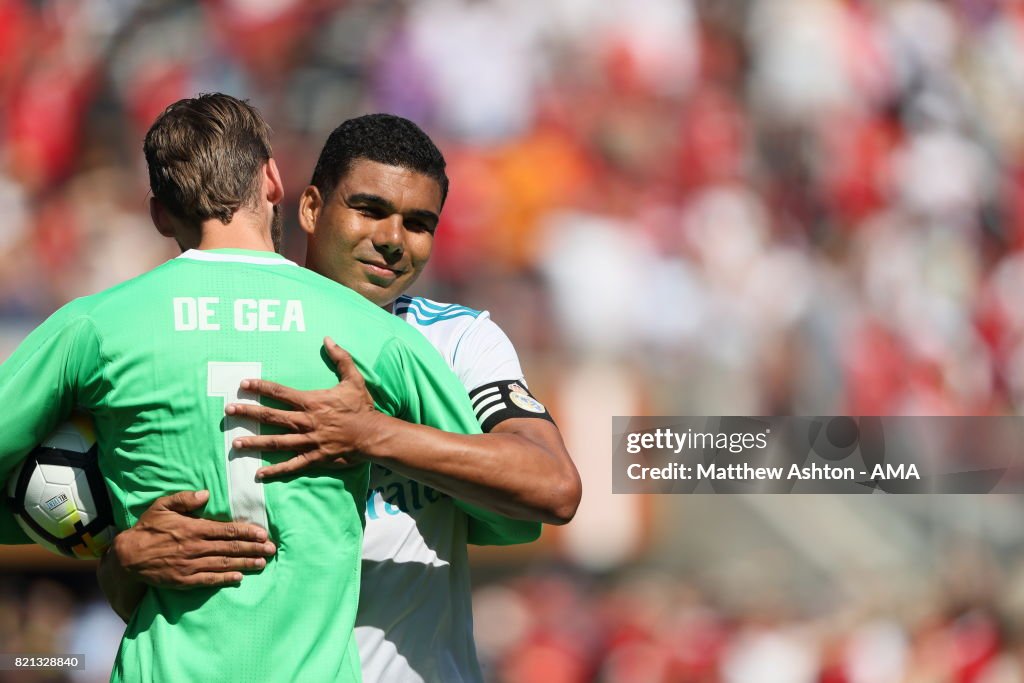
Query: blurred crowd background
672	207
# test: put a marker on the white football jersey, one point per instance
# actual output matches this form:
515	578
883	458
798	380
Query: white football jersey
415	620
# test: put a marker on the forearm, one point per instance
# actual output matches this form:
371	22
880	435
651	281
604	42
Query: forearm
123	591
507	473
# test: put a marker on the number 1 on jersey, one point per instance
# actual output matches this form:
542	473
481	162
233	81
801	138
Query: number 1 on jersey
244	491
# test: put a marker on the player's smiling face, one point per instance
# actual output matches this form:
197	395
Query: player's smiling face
374	233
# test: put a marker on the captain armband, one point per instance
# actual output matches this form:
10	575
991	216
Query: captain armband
499	401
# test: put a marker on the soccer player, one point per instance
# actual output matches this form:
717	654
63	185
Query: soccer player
370	230
154	361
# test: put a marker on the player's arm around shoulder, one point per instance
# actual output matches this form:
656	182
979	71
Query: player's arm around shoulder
520	474
557	475
540	453
517	473
487	363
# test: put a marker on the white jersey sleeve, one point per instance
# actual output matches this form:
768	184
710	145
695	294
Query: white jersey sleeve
481	355
485	354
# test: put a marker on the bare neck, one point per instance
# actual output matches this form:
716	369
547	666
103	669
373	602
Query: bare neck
245	231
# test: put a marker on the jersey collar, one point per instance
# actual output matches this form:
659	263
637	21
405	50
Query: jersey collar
260	258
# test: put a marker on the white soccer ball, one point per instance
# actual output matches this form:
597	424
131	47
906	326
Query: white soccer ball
58	494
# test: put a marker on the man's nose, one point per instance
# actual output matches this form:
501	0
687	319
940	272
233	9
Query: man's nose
389	236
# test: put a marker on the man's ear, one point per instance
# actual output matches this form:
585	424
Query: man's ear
311	204
272	182
161	218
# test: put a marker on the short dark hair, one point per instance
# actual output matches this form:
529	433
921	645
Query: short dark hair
384	138
204	155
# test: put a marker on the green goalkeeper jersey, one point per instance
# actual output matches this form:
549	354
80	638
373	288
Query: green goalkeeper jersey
155	360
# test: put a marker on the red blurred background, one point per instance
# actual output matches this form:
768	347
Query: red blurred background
672	207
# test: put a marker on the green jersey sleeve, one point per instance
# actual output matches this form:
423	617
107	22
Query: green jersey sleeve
52	371
490	528
424	388
10	532
432	395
